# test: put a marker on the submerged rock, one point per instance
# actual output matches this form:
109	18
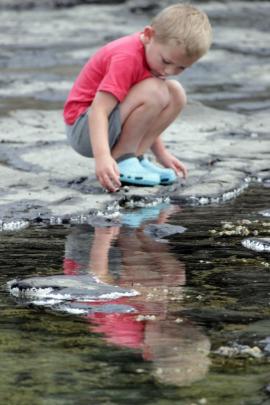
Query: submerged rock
266	182
239	350
13	225
265	213
65	288
161	231
83	308
257	244
266	343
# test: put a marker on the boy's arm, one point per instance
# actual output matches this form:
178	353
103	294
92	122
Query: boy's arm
167	159
106	167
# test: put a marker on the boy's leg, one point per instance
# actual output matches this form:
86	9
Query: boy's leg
166	117
138	112
148	109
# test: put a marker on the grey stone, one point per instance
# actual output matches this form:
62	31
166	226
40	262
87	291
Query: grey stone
86	308
257	244
63	287
266	344
239	350
265	213
161	231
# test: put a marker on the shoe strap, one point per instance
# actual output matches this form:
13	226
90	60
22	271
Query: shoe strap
125	157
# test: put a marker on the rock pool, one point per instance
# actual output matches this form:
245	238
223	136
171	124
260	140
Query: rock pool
197	333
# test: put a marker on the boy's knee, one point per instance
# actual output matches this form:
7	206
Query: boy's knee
177	94
157	93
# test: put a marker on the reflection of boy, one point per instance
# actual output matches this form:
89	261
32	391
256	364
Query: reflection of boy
178	352
132	101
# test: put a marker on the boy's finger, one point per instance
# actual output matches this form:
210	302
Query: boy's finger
112	183
106	183
182	169
181	172
115	178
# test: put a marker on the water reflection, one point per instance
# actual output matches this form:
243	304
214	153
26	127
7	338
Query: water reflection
128	257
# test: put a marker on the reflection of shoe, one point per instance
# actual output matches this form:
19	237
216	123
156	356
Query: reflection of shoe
132	172
135	217
167	176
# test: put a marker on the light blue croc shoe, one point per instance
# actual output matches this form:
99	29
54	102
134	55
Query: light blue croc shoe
167	176
133	173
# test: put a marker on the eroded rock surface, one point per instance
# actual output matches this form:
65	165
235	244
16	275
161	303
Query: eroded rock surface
222	136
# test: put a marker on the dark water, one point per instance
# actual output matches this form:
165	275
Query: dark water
198	291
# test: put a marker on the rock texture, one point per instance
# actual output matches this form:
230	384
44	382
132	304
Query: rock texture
257	244
66	288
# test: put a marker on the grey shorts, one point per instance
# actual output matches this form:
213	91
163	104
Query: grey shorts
78	134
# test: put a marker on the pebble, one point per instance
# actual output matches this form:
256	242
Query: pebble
202	401
141	318
236	350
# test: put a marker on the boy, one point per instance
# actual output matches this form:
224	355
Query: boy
122	101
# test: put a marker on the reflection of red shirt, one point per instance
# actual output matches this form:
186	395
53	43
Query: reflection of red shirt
71	267
121	329
115	68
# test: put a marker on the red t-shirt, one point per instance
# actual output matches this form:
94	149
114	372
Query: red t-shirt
115	68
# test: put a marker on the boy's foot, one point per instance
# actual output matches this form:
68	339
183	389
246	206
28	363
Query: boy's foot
132	172
167	176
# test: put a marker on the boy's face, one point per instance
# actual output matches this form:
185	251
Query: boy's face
164	59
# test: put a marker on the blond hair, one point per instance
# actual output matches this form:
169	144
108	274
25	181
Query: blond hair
184	24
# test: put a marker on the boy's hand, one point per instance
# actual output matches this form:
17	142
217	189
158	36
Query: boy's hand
107	173
168	160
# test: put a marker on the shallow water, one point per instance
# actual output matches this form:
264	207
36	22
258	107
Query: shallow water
199	290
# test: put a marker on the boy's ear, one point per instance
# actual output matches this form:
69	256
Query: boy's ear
148	33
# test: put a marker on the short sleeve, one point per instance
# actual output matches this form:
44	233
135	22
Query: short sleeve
120	76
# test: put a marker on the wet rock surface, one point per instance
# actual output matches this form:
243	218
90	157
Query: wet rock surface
265	213
162	231
222	136
61	288
239	350
257	244
30	4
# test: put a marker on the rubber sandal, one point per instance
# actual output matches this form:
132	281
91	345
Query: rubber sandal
132	172
167	176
